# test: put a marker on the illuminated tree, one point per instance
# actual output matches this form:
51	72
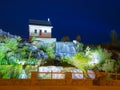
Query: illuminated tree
65	39
78	38
114	36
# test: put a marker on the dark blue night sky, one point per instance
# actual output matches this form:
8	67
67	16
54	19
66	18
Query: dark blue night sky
91	19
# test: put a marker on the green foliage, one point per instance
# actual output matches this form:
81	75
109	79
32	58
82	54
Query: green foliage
7	48
12	60
3	51
4	69
79	47
16	70
18	38
109	65
6	76
49	49
4	62
10	71
11	43
87	51
32	61
12	51
80	61
33	39
67	59
103	54
95	67
50	52
117	65
24	52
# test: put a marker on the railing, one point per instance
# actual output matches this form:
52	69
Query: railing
65	80
102	79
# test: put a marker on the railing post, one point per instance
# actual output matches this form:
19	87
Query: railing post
116	75
51	74
34	75
68	78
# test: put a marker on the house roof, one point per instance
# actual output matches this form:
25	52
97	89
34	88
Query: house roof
39	22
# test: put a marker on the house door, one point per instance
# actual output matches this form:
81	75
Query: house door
40	33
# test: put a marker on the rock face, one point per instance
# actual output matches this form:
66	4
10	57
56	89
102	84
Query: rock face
37	53
64	49
61	49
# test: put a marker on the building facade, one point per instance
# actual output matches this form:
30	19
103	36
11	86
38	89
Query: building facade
40	29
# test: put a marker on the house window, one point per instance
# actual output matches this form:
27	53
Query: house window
35	31
45	31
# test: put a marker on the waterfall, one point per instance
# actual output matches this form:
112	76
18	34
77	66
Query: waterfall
65	49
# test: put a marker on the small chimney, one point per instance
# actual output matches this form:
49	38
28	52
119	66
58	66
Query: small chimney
48	19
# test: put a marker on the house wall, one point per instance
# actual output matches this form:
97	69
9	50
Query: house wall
46	40
43	34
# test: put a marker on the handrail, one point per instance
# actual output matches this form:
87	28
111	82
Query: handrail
97	74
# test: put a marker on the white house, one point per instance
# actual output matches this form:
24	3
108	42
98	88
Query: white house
42	30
